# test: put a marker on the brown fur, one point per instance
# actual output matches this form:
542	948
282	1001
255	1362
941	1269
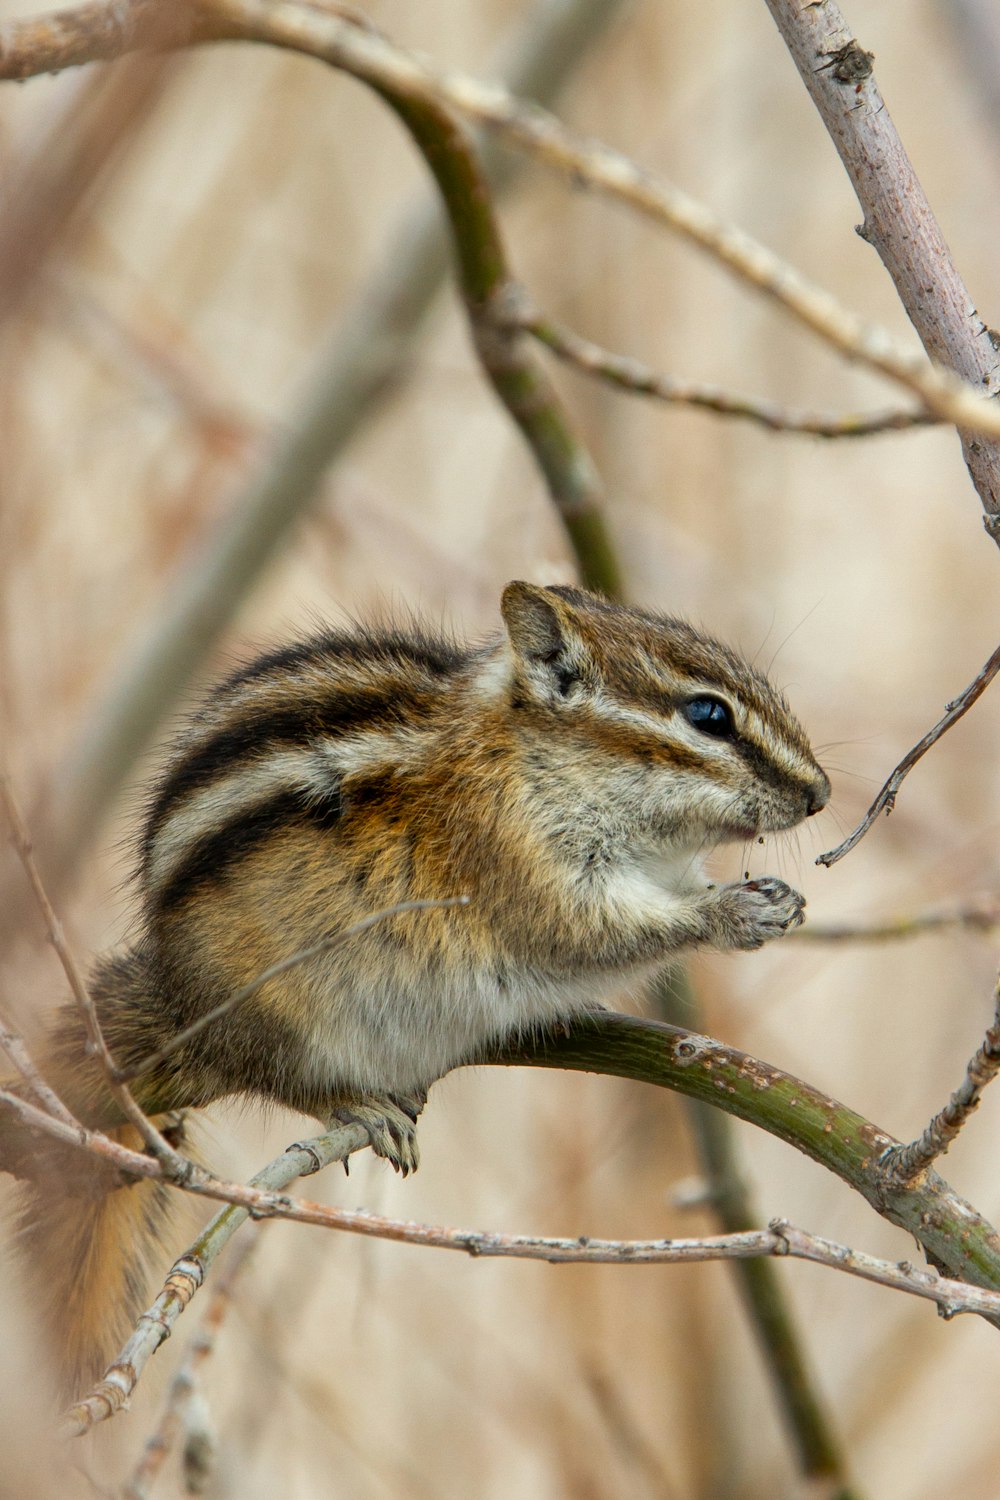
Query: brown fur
554	776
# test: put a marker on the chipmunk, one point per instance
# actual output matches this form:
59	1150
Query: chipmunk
567	777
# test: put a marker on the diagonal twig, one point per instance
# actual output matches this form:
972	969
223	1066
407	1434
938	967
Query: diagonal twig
886	799
332	940
904	1163
629	374
177	1167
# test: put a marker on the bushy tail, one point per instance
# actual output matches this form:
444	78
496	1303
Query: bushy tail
90	1241
89	1249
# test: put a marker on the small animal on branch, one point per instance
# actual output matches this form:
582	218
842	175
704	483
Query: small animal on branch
566	777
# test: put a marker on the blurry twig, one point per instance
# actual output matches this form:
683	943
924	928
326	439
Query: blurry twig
306	28
982	915
69	162
729	1199
898	220
300	27
183	1384
175	1167
904	1163
632	375
976	24
886	799
263	1197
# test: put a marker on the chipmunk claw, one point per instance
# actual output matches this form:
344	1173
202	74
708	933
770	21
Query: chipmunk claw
754	912
391	1123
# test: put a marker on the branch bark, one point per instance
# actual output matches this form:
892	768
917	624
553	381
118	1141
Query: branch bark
898	220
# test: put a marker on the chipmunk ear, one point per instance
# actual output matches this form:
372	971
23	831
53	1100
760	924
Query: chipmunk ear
543	633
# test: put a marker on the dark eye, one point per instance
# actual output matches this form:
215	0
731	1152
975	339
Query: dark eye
711	716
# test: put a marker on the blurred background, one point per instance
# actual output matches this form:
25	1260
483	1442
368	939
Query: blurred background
182	322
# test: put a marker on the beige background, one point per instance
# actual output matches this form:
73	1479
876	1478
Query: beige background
209	276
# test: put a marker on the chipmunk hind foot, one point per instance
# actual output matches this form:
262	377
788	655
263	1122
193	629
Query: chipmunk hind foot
391	1123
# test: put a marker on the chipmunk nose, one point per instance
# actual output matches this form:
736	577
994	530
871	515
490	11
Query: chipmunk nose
818	795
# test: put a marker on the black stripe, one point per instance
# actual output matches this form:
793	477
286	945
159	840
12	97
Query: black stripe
214	856
439	657
260	730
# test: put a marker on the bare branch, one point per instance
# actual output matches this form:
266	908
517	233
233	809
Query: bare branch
904	1163
115	1389
183	1384
366	357
187	1274
981	915
292	24
898	220
14	1046
729	1198
630	374
886	799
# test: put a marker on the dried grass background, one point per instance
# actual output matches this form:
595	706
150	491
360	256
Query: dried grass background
173	332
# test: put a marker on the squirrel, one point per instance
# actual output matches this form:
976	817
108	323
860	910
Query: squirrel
566	777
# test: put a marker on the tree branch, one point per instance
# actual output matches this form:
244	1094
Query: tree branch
629	374
980	915
905	1163
898	220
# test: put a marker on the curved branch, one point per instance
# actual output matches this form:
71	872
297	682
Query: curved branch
954	1234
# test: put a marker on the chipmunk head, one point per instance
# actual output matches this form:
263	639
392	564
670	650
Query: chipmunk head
657	717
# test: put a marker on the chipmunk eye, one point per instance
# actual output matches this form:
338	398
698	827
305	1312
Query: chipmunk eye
711	716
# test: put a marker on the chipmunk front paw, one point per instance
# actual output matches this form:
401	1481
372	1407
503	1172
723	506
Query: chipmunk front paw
391	1123
750	913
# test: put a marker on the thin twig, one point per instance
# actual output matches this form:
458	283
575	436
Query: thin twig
886	799
334	940
176	1166
810	1426
982	915
951	1229
630	374
904	1163
183	1384
14	1046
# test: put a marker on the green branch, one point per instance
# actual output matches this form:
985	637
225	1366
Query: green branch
955	1235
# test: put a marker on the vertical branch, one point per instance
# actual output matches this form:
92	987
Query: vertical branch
898	220
816	1446
505	351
